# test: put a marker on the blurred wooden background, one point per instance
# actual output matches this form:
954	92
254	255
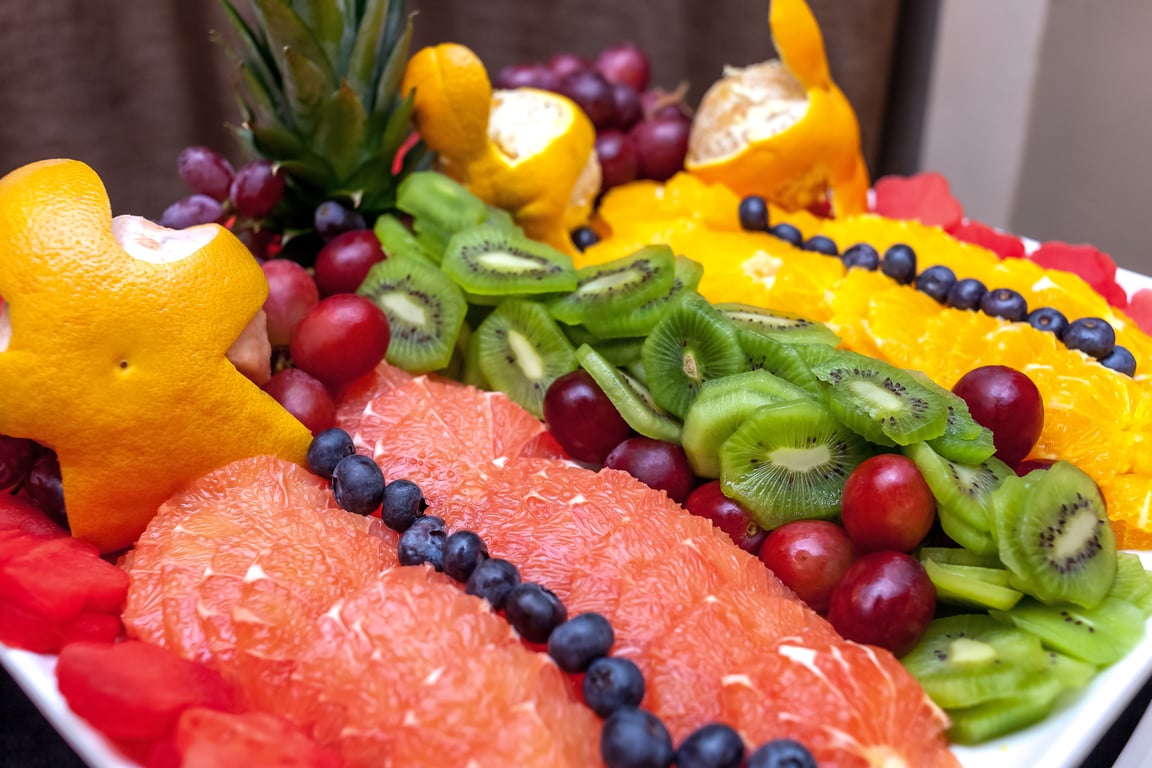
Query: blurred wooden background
125	86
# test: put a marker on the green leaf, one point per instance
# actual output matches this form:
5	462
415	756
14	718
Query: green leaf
393	71
398	128
305	87
275	143
366	51
286	30
326	20
341	130
259	56
313	172
262	104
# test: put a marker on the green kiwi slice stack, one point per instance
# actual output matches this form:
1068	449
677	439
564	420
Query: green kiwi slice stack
616	287
964	440
783	360
690	345
1053	534
1099	636
778	325
631	398
972	585
486	261
1132	584
425	311
437	203
789	461
723	404
882	403
522	351
397	240
641	320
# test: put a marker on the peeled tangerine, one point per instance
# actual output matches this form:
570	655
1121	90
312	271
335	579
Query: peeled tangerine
528	151
122	347
782	129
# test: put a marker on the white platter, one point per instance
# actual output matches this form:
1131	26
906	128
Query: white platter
1063	740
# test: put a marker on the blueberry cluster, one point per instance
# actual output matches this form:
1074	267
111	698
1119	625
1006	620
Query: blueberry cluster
1093	336
613	686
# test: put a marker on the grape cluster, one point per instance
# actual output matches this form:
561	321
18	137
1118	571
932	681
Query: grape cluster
33	471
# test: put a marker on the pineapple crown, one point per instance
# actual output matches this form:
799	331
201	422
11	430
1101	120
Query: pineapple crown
318	84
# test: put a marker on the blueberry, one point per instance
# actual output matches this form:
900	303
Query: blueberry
1048	319
861	255
782	753
753	214
1005	303
463	551
899	263
423	542
581	640
403	503
787	233
711	746
326	450
1091	335
821	244
534	611
612	682
492	580
936	282
358	484
584	238
635	738
1120	359
966	294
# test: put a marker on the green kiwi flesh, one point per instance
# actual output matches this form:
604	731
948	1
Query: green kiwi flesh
789	461
958	556
690	345
502	220
884	404
1099	636
425	311
522	351
397	240
964	440
972	586
438	204
722	406
781	326
784	360
616	287
487	261
1132	584
983	722
641	320
1054	536
631	398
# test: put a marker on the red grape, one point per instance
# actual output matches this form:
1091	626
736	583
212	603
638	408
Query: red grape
887	505
304	397
626	102
44	486
728	515
617	158
1031	465
291	294
657	464
332	219
809	557
592	93
257	188
566	63
625	63
205	171
1008	403
191	211
17	456
582	418
661	144
344	261
885	599
342	337
660	103
263	242
527	76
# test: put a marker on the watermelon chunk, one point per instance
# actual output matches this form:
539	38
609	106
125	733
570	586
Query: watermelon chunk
207	738
16	513
1093	265
1004	245
925	197
1140	309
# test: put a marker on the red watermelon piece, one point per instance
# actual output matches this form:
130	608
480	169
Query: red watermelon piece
1004	245
925	197
207	738
17	513
1090	263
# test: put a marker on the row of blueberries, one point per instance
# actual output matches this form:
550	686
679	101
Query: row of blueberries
613	686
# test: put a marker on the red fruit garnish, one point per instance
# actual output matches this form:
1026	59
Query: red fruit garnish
887	505
925	197
661	144
1140	309
885	599
810	557
343	337
18	514
657	464
305	397
1004	245
617	156
625	63
728	515
344	261
207	737
1031	465
1008	403
1093	265
582	418
291	294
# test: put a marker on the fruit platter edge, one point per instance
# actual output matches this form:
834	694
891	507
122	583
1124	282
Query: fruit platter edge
1063	740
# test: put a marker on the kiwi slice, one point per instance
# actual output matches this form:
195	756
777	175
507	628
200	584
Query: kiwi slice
1099	636
397	240
882	403
690	345
631	398
487	261
784	360
969	659
470	372
641	320
502	220
722	406
617	287
958	556
789	461
964	495
778	325
425	311
439	205
1132	584
972	586
522	351
1029	705
1053	534
964	439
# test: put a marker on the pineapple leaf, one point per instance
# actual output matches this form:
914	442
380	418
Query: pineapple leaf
275	142
366	51
305	86
312	172
398	127
341	130
325	19
286	30
393	71
261	104
259	56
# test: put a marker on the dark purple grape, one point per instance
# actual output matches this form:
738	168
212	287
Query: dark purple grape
661	144
625	63
205	172
45	487
899	263
656	463
592	93
821	244
617	156
861	255
190	211
1048	319
17	456
1121	360
566	63
257	189
753	213
626	101
1005	303
966	294
1091	335
936	282
582	418
332	219
527	76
